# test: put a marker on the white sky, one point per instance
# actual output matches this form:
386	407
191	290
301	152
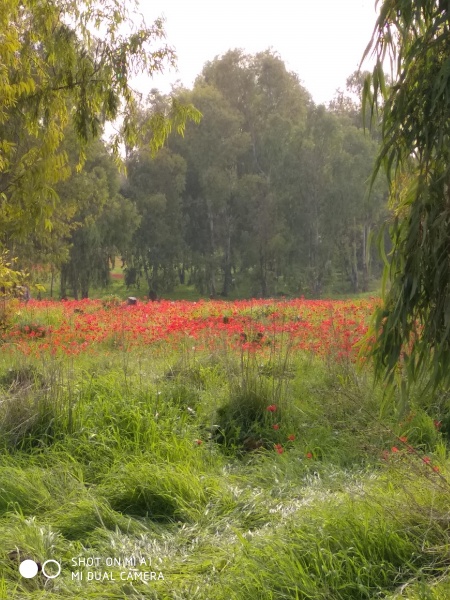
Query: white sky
322	41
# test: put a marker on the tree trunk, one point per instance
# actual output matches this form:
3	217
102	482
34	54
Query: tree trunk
211	269
354	265
146	273
227	277
63	281
263	273
366	257
84	284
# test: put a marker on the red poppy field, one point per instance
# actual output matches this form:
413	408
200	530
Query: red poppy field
213	450
322	328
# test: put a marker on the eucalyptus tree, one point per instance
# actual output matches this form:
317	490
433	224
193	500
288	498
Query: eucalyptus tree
413	325
94	243
214	151
305	183
270	102
266	240
155	185
99	222
355	217
268	97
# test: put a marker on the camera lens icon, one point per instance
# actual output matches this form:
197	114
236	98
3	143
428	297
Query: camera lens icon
29	568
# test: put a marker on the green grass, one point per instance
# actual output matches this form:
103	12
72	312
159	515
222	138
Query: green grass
148	455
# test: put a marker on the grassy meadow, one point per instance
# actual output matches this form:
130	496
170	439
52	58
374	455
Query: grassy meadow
214	451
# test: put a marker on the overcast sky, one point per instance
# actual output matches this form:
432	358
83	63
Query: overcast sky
322	41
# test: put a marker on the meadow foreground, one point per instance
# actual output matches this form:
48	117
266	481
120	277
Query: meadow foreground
214	450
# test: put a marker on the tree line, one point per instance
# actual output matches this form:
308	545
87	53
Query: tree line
266	194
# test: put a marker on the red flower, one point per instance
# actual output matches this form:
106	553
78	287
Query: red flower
279	448
321	326
438	424
436	469
394	449
308	455
291	437
276	427
403	439
272	408
198	442
426	460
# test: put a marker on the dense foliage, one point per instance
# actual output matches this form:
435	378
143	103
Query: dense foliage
268	192
265	196
414	323
67	64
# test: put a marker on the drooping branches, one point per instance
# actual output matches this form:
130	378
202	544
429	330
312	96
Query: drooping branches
413	326
67	61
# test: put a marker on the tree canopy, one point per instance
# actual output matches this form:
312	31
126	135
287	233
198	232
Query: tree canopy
413	325
64	61
266	196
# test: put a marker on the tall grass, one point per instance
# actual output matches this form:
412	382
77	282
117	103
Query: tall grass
175	456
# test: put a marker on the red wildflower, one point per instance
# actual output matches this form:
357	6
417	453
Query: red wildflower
320	327
272	408
403	439
279	448
438	424
291	437
308	455
436	469
198	442
426	460
276	427
394	449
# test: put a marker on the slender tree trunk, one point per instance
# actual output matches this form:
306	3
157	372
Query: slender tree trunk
263	272
354	265
212	281
85	289
182	274
75	290
74	285
63	281
366	257
146	273
227	277
85	279
211	266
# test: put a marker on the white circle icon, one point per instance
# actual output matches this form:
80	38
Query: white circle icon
28	568
58	566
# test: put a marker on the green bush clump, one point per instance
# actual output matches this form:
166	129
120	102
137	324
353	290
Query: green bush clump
160	492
